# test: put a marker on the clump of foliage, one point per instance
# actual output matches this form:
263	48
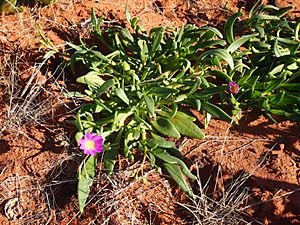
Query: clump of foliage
137	91
9	6
138	85
271	80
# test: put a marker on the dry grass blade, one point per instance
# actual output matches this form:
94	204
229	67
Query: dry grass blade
33	100
225	209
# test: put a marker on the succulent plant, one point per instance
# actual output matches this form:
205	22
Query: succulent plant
46	2
8	6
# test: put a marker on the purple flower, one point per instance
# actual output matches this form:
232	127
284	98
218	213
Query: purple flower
233	87
91	144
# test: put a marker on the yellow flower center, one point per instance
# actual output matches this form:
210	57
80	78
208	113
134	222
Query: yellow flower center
234	89
90	145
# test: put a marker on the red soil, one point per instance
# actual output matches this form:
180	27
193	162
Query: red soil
38	165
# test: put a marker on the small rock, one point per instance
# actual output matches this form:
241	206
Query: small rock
10	209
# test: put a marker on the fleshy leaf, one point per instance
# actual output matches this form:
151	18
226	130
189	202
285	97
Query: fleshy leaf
186	127
215	111
85	180
223	54
166	127
122	95
91	79
166	157
176	174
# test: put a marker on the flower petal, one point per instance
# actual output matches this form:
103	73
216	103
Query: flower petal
233	87
85	144
82	144
89	136
82	141
98	148
89	152
97	138
232	83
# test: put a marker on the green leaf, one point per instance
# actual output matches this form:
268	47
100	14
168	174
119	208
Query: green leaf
78	135
223	54
150	104
297	29
171	115
74	94
289	99
157	40
101	106
221	74
186	116
165	156
92	79
166	127
85	180
213	30
215	111
129	137
186	127
207	44
245	78
207	120
293	66
273	85
271	8
151	159
291	86
276	49
174	109
276	98
96	23
262	16
239	42
141	120
209	92
180	98
178	177
278	112
282	11
143	50
122	95
268	115
276	70
127	14
125	33
163	91
195	103
79	49
295	117
256	43
262	33
94	18
110	156
254	8
125	66
180	33
195	86
106	85
229	35
120	118
78	122
49	54
102	57
160	142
